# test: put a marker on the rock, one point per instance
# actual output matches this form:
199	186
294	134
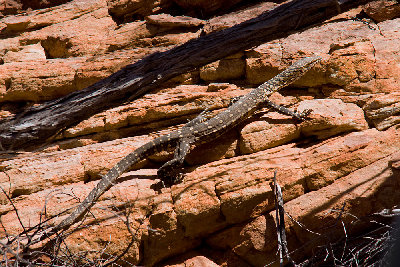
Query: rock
126	10
84	35
204	7
222	213
16	23
55	168
330	117
200	261
382	10
10	7
230	68
228	20
383	110
40	18
171	22
196	204
38	4
127	35
262	63
32	52
37	80
255	241
268	131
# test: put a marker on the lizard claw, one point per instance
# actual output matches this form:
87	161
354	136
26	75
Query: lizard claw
304	114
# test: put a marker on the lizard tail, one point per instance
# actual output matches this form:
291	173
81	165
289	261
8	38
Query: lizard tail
106	182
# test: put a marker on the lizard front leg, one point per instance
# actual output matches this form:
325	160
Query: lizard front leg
268	103
171	172
286	111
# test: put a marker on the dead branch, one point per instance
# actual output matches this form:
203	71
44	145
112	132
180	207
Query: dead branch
33	127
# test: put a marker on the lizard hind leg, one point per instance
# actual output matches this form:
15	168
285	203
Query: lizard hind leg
171	171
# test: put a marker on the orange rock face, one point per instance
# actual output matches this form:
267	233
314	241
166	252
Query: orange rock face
342	162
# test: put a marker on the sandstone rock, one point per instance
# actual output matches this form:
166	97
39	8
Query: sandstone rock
28	53
317	211
165	106
127	35
268	131
200	261
16	23
204	7
262	63
32	173
84	35
383	110
126	10
171	22
196	204
242	191
40	18
225	146
228	20
331	117
35	81
229	68
382	10
37	4
222	213
10	7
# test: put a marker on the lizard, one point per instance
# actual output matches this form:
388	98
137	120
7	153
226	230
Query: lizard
197	131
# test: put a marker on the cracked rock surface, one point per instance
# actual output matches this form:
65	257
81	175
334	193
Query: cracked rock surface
343	159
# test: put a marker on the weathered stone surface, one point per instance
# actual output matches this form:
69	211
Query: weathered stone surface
228	20
168	21
227	192
45	17
384	110
32	52
270	130
127	10
204	7
10	7
32	173
330	117
262	63
382	10
368	187
85	35
230	68
34	81
222	212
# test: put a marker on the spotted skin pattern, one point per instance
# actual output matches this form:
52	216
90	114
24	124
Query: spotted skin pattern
199	130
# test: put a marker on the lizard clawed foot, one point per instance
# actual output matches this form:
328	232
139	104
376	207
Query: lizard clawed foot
304	114
169	178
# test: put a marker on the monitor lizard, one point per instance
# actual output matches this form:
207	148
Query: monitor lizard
197	131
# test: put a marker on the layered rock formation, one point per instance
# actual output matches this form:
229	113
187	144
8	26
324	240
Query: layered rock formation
341	165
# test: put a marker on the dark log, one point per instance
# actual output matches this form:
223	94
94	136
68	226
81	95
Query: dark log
33	127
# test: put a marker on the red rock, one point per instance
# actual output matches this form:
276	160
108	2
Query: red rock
125	10
382	10
223	211
206	7
228	20
32	52
383	110
230	68
330	117
168	21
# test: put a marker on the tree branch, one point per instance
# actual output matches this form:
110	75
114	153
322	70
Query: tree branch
36	125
